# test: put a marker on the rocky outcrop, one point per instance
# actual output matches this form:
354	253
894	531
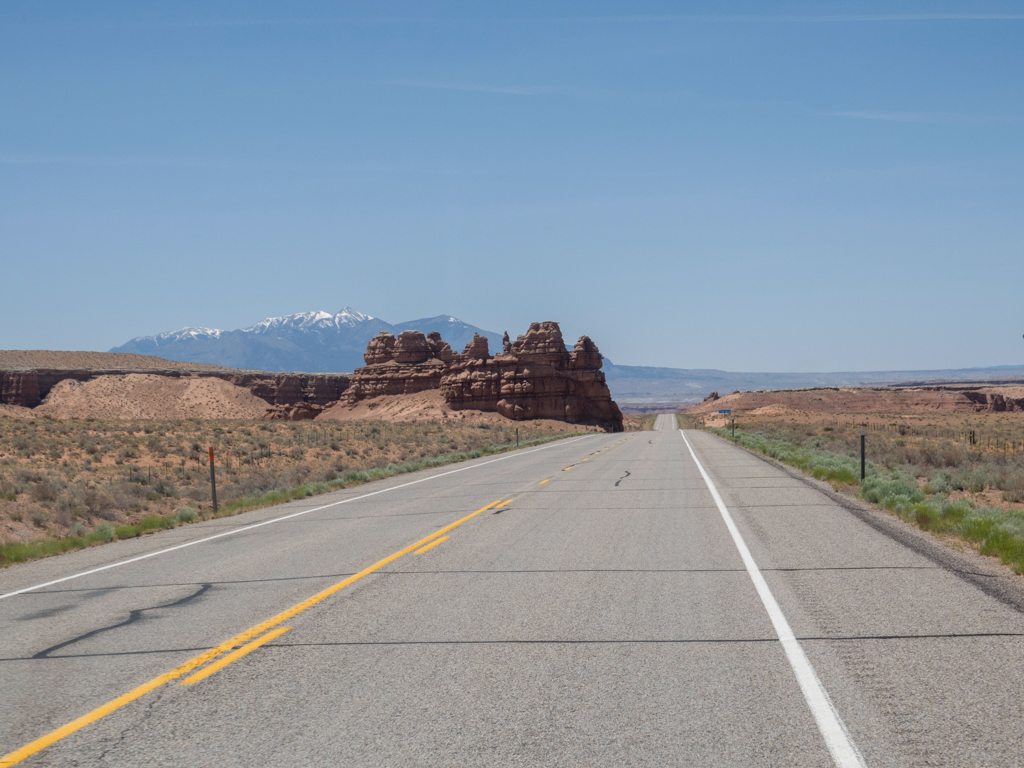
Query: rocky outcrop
538	378
400	366
298	412
535	377
711	398
439	347
28	388
476	350
992	401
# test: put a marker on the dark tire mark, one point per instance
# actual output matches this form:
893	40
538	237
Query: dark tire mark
133	617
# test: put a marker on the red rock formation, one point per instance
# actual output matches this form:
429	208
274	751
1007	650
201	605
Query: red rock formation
381	349
537	379
475	350
439	347
412	347
403	366
297	412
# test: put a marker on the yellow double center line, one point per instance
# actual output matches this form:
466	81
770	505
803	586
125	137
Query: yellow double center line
238	640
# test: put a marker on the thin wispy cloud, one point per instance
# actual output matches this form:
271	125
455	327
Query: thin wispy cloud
475	87
923	117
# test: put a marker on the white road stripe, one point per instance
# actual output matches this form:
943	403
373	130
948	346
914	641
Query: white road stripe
844	752
284	517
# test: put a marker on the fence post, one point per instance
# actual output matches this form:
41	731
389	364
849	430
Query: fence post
213	482
863	463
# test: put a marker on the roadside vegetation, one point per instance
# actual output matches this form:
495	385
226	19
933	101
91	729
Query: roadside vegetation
68	484
952	479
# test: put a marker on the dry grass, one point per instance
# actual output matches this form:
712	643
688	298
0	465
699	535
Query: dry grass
90	480
954	475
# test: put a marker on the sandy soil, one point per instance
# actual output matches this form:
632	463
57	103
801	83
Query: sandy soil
16	411
430	406
44	358
142	396
847	400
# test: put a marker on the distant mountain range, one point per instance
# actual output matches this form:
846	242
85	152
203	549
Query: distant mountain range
321	342
314	342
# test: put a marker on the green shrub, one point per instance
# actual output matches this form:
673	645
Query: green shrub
186	515
974	480
995	531
156	523
892	490
126	531
940	482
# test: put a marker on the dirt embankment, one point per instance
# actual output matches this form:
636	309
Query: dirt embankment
28	378
142	396
431	406
852	400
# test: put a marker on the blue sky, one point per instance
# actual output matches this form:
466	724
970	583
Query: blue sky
780	187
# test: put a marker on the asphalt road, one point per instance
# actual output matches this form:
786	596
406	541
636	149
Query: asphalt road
613	613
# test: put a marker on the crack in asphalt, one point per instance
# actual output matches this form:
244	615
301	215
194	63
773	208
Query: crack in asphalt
621	479
133	616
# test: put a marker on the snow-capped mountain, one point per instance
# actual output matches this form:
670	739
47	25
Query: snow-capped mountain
347	318
184	333
306	341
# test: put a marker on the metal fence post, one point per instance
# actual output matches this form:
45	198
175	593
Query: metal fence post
213	482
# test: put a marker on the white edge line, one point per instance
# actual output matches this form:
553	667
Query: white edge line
844	752
285	517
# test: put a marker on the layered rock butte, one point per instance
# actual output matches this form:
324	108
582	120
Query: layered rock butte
535	377
290	395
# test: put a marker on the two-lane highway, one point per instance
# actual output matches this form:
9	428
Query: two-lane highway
655	598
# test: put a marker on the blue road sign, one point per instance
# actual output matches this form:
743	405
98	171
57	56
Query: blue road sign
725	411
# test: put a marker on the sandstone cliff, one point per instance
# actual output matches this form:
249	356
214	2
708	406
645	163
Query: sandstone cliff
536	377
404	365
